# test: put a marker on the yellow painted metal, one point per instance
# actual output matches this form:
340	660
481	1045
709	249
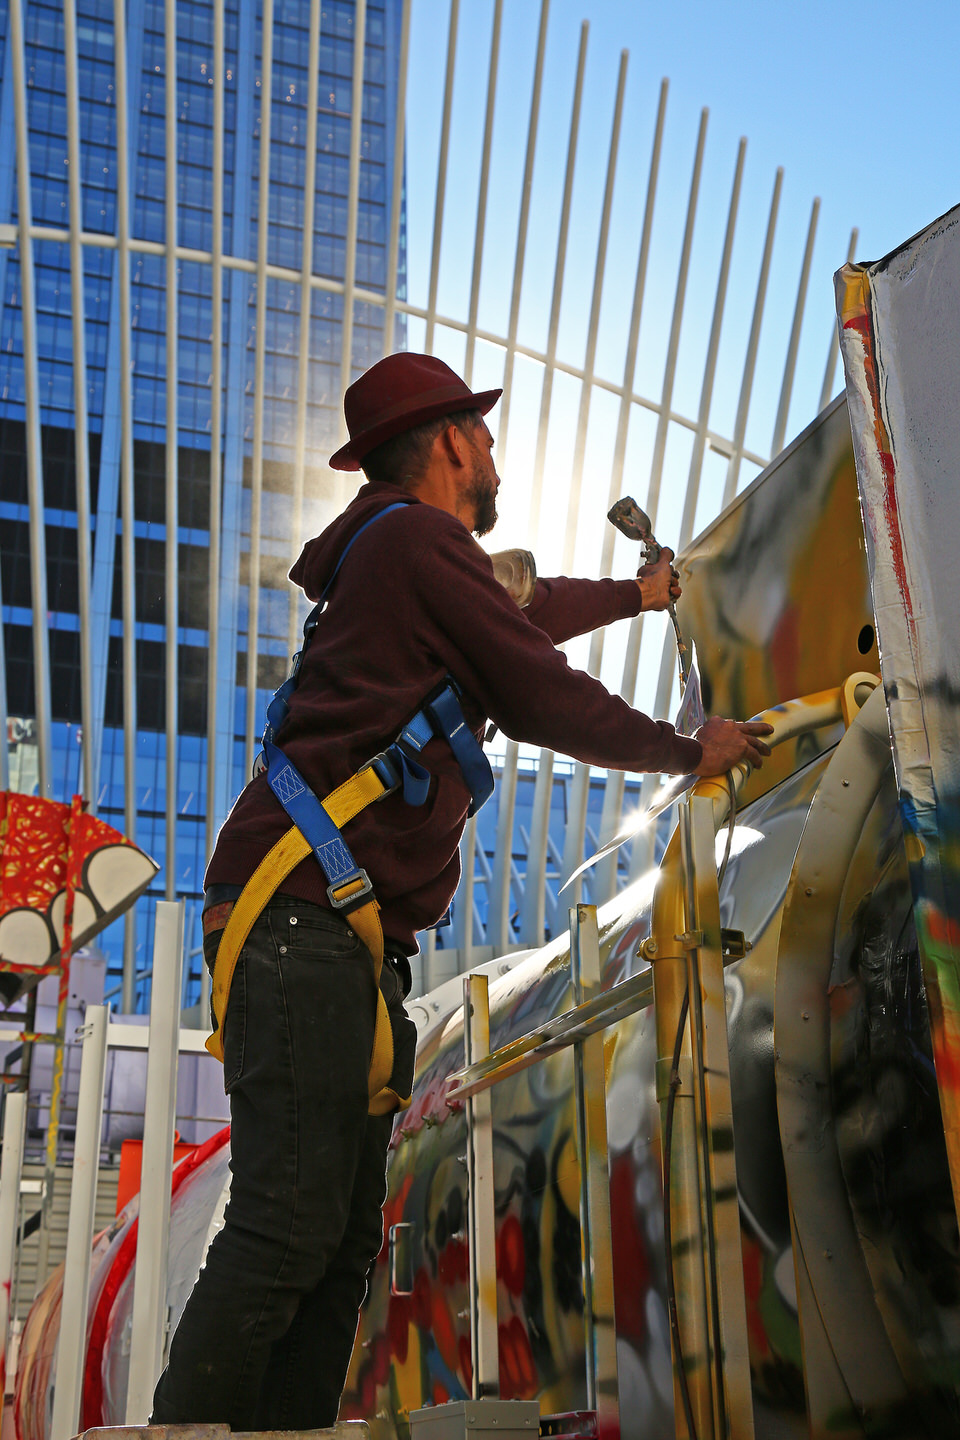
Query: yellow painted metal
481	1200
596	1241
685	950
706	1257
718	1179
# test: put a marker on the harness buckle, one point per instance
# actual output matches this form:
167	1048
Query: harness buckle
356	898
387	771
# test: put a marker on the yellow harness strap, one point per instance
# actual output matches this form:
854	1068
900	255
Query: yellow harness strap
341	805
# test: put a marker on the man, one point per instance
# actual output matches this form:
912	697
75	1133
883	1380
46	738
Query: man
266	1336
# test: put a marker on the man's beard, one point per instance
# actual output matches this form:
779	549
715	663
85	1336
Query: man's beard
482	495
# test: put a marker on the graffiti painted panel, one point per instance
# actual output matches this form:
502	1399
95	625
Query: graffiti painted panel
898	326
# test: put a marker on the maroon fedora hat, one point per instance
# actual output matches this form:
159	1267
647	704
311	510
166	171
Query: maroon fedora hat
396	394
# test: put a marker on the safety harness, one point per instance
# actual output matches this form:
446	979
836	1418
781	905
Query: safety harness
316	826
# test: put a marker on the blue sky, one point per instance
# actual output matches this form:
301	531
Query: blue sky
859	108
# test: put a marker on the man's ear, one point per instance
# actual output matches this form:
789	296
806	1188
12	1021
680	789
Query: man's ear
454	445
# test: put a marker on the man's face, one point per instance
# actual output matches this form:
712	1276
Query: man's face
483	481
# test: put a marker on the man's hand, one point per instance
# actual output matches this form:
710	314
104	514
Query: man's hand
659	584
727	742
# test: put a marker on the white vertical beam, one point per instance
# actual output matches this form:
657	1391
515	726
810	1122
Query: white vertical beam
533	904
306	270
590	357
90	761
259	368
579	788
639	858
353	196
710	366
172	498
127	546
441	176
499	934
72	1346
673	344
790	365
31	381
11	1165
463	913
559	267
500	890
520	253
605	875
482	194
750	360
826	393
150	1279
396	193
216	425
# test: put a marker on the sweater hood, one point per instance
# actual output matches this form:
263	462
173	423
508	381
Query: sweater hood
319	557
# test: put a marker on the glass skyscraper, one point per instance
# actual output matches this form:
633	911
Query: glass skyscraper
243	330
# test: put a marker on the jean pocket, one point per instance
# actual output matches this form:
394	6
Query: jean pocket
235	1027
314	933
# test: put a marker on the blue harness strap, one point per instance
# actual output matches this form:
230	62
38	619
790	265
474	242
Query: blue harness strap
396	767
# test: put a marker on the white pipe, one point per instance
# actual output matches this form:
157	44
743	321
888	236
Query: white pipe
482	195
522	226
216	425
441	190
90	761
31	382
710	367
750	360
11	1166
790	365
153	1232
306	269
580	784
259	368
172	500
353	200
673	344
72	1345
826	393
396	193
127	548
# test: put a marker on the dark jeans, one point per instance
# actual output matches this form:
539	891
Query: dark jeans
266	1336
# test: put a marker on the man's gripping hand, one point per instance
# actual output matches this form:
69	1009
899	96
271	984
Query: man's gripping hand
659	584
728	742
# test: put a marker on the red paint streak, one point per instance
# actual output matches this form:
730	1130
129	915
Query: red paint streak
466	1363
631	1264
119	1270
511	1256
752	1285
518	1373
863	327
943	928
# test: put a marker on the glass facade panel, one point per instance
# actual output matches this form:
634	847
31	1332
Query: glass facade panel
149	301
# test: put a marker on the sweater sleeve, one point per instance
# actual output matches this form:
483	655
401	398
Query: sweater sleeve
510	667
563	608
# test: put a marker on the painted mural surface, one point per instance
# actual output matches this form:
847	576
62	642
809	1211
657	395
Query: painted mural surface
776	592
415	1349
899	325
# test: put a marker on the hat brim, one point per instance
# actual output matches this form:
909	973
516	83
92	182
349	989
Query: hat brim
352	455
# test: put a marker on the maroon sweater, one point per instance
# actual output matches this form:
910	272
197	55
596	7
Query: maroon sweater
415	601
